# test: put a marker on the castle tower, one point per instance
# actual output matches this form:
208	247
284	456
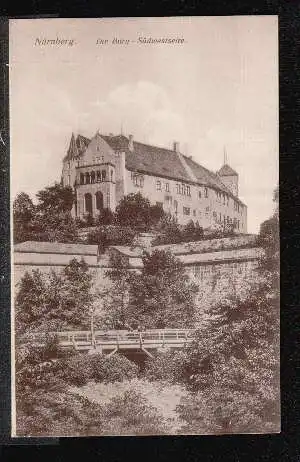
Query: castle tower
229	178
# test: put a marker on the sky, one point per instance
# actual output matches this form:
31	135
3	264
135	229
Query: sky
218	89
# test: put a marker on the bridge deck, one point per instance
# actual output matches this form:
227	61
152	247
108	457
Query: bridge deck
110	341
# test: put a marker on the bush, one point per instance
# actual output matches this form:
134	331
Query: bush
167	366
106	236
77	370
131	414
82	368
113	369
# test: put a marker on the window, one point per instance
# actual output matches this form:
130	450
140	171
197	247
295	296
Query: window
188	190
207	209
97	148
99	200
205	192
87	178
98	176
81	178
215	215
103	175
168	199
88	204
176	206
194	213
111	175
138	180
167	187
186	211
199	194
158	185
93	177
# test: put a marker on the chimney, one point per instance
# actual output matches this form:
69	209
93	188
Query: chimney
130	142
176	146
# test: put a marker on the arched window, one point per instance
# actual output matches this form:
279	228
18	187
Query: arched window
93	177
176	206
99	200
98	176
103	175
88	203
81	178
87	178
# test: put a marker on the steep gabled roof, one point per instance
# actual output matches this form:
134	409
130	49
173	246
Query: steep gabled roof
77	147
158	161
226	170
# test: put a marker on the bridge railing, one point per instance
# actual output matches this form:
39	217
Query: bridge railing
111	336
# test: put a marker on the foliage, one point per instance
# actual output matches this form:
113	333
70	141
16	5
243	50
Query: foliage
170	232
130	414
54	227
80	369
135	210
160	295
23	214
50	220
232	366
113	369
106	236
105	217
55	199
166	366
54	301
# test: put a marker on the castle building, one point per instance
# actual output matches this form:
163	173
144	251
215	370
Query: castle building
104	169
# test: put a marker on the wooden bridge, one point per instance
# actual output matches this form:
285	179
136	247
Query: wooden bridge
110	342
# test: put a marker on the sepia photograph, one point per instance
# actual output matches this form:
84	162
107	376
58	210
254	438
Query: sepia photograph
145	226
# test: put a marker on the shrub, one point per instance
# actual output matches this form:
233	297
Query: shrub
167	366
81	368
113	369
131	414
111	235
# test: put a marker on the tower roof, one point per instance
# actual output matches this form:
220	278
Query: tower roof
226	170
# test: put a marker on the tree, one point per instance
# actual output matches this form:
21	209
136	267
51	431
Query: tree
160	296
31	301
136	211
54	227
23	215
105	217
59	300
232	367
56	199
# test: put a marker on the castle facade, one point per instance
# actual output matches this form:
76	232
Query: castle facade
104	169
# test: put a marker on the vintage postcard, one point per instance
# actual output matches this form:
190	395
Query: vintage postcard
144	205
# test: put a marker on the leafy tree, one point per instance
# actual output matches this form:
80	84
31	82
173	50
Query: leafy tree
106	236
232	367
56	199
54	227
135	210
105	217
31	300
161	295
56	301
23	215
169	231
